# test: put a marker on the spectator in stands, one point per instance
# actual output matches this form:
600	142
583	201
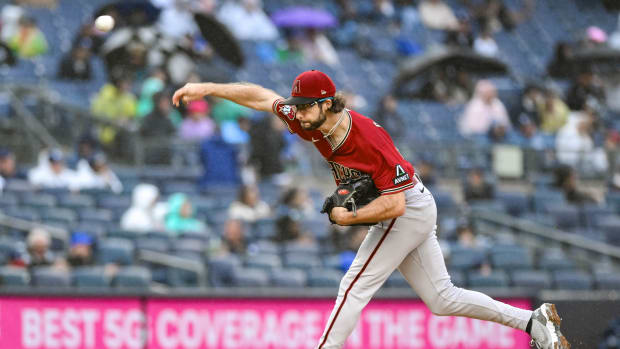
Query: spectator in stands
389	118
51	172
158	123
176	19
96	174
266	143
553	112
116	103
295	202
146	213
197	125
248	207
86	147
462	36
81	250
586	87
483	110
179	218
425	168
533	96
595	37
76	65
247	20
290	229
575	146
496	15
560	64
9	17
465	237
38	247
153	84
8	166
436	14
29	41
566	180
234	237
315	46
485	45
476	187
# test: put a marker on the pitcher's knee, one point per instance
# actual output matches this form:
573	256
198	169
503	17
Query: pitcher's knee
444	303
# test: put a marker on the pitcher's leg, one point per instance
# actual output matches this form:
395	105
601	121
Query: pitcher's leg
425	270
379	255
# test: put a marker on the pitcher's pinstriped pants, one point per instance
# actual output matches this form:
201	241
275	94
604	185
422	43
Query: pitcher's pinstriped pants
409	243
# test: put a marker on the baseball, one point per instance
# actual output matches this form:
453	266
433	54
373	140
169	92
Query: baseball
104	23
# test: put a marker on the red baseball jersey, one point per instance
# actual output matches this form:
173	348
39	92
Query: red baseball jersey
366	149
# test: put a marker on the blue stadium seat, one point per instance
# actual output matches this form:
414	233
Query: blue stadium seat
250	277
536	279
465	258
182	277
221	270
264	229
519	258
572	280
607	280
264	246
189	245
115	250
301	249
62	215
494	279
114	201
50	277
397	280
103	216
133	277
12	276
301	261
515	203
38	200
566	217
149	244
458	278
288	278
8	200
263	261
541	199
87	277
26	213
594	214
324	277
122	234
555	262
76	201
611	228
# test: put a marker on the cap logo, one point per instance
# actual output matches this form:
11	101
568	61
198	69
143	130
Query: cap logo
297	87
343	192
323	92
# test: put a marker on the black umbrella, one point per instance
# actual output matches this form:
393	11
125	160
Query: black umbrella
220	38
6	55
416	73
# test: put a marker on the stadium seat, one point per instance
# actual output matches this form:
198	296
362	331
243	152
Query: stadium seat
122	234
266	262
250	277
103	216
12	276
149	244
221	270
301	249
189	245
50	277
515	203
8	200
566	217
87	277
607	280
38	200
494	279
264	246
397	280
555	262
536	279
610	226
114	201
457	277
519	258
26	213
324	277
541	199
572	280
305	262
76	201
594	215
115	250
61	215
133	277
288	278
466	258
264	229
182	277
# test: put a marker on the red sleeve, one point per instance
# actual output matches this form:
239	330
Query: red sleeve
393	173
286	113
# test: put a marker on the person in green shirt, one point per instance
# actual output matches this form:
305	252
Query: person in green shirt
179	218
29	41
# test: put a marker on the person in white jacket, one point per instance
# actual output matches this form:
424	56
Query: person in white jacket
248	207
146	213
574	145
51	172
95	174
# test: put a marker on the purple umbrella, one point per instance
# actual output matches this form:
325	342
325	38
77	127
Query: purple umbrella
303	17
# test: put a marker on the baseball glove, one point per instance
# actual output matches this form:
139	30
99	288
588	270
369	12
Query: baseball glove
352	194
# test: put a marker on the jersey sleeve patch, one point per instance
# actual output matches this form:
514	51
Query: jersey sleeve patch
285	113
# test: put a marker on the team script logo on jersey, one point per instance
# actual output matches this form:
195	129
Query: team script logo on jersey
342	172
287	110
401	175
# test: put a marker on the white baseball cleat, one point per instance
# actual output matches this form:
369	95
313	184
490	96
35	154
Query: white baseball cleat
545	329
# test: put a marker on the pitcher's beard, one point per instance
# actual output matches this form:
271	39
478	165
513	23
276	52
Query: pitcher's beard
315	124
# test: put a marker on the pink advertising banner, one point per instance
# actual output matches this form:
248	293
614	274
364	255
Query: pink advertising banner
38	323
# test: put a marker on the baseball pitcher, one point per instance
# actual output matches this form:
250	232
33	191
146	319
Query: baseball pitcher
377	187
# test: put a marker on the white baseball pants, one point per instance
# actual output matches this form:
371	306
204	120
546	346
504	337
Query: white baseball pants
409	243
